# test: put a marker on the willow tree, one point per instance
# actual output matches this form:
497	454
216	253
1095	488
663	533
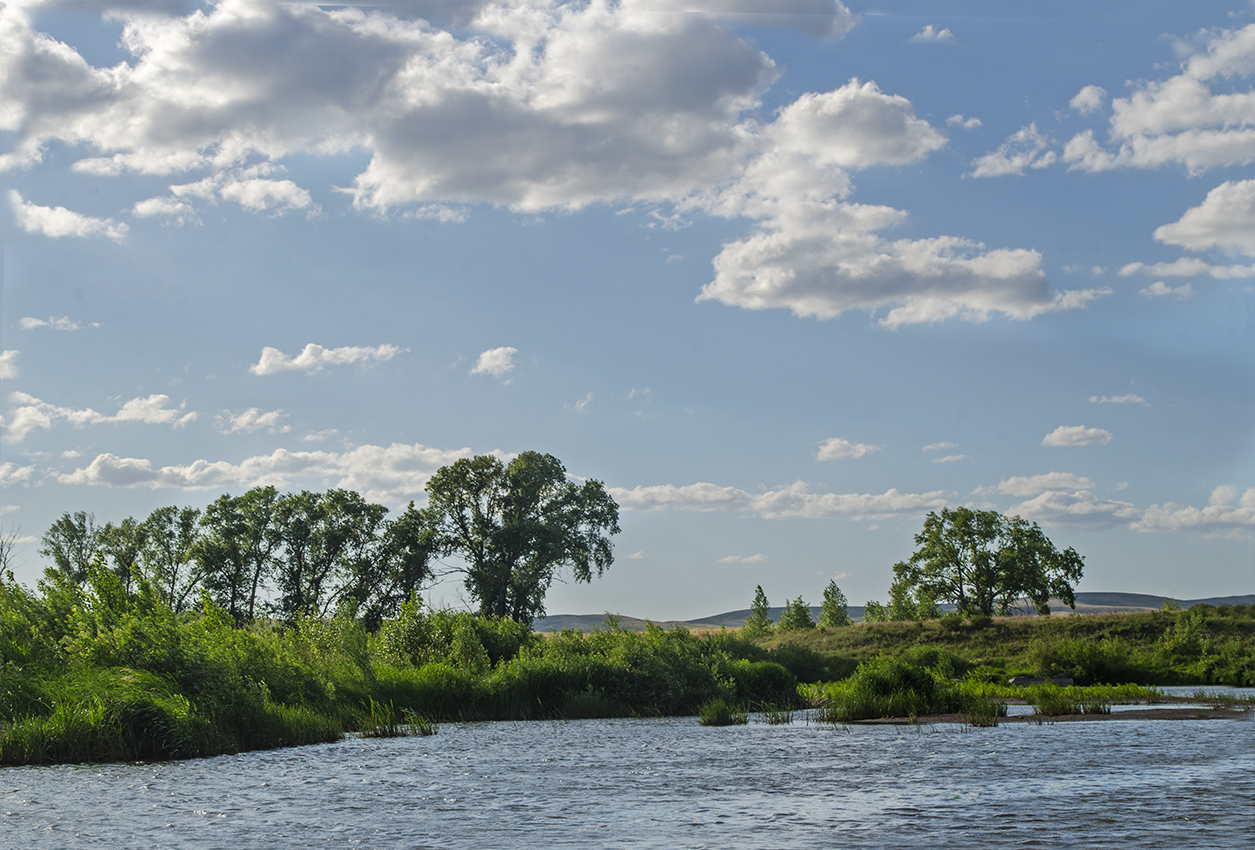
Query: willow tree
515	526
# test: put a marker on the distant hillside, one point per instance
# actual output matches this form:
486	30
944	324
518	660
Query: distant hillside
1086	603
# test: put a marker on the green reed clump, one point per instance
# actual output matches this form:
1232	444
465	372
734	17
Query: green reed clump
886	687
720	712
777	715
1053	701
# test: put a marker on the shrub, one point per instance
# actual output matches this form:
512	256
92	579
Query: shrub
719	712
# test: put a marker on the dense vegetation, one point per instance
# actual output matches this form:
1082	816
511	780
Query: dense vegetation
100	671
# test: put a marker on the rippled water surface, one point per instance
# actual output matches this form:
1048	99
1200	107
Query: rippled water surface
670	783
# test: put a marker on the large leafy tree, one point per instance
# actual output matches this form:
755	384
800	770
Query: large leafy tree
516	525
235	551
170	534
834	610
987	563
72	543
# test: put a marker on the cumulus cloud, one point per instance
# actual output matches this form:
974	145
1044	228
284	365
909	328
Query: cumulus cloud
56	323
532	106
1031	485
759	558
1182	120
963	122
837	448
949	458
395	473
31	413
939	447
1081	509
1188	267
55	222
932	33
495	361
1089	99
314	357
1225	220
253	419
11	473
820	17
1076	435
795	500
1026	148
1219	516
8	364
1159	289
1127	398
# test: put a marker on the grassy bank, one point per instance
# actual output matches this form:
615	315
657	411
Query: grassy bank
94	673
1204	645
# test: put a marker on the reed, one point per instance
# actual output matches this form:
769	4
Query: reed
720	712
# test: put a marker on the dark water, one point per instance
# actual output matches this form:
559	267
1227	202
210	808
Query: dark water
670	783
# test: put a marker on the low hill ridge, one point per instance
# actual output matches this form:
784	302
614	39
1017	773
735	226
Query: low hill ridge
1086	603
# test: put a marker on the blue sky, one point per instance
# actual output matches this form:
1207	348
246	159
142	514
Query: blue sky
784	282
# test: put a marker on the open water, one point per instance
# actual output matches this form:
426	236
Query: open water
670	783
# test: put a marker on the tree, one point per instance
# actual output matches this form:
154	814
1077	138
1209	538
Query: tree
796	617
514	526
236	549
170	536
71	543
909	602
759	621
123	543
834	610
874	612
986	563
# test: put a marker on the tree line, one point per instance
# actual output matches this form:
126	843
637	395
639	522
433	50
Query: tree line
512	528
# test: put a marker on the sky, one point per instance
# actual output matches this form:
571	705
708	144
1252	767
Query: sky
785	276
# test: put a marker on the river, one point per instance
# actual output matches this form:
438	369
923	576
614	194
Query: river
669	783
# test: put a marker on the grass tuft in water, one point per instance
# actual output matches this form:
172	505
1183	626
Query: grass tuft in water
720	712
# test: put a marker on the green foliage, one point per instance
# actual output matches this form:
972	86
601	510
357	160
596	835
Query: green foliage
833	611
874	612
719	712
795	617
759	621
986	563
515	525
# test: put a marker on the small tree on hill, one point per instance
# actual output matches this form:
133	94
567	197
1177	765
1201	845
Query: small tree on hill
796	617
833	611
759	621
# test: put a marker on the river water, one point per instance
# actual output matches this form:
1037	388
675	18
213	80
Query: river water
670	783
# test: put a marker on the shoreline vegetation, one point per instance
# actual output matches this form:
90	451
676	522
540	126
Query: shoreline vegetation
99	671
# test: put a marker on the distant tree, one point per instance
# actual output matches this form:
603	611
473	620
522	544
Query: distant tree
236	549
986	563
72	543
874	612
759	621
910	602
795	617
516	525
122	544
170	535
834	610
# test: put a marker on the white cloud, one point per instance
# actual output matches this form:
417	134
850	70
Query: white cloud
1026	148
759	558
56	323
319	436
1023	486
171	209
1219	516
635	556
583	405
939	447
8	364
495	361
1188	267
32	413
395	473
931	33
1181	120
949	458
314	357
820	17
253	419
1076	435
963	122
1089	99
1081	509
1225	220
11	473
1159	289
837	448
1127	398
795	500
55	222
